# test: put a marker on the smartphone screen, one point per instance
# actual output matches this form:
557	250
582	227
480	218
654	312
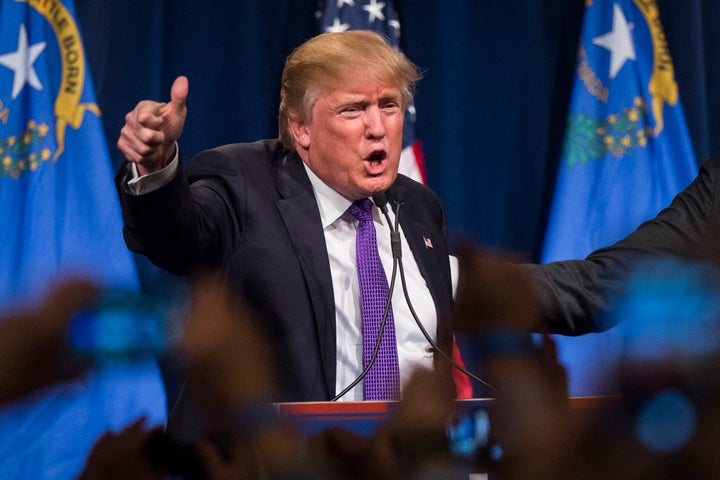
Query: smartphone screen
122	326
469	431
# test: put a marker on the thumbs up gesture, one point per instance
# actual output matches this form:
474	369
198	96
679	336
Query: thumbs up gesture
152	128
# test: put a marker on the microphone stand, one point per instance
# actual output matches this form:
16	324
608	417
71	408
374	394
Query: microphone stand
381	201
397	256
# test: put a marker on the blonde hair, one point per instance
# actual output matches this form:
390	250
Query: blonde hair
328	60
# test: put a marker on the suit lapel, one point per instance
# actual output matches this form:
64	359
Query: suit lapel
426	257
299	211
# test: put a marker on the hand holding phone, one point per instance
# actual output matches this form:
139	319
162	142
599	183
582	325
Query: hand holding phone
124	326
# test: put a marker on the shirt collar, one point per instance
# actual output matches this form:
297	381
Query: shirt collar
331	204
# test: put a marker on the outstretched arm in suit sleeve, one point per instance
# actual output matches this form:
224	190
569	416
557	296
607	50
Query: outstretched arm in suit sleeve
575	294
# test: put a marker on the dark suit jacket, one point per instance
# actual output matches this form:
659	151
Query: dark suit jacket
575	294
250	210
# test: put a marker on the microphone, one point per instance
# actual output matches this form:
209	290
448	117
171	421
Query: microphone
398	195
399	199
381	200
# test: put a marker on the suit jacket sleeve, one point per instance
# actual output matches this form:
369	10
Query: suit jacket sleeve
575	295
197	218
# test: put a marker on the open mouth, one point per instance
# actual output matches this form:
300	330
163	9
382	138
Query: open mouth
376	157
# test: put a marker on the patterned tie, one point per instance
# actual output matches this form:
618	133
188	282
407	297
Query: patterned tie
383	380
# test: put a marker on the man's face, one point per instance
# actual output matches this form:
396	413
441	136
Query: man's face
354	139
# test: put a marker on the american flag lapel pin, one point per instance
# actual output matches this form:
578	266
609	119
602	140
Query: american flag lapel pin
427	242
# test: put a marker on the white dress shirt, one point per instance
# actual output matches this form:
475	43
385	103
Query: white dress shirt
413	349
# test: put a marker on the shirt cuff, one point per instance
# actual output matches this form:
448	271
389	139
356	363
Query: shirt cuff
139	185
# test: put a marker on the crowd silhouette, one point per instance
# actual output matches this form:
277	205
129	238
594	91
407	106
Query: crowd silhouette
662	425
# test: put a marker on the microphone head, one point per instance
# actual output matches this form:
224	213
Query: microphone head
398	194
380	199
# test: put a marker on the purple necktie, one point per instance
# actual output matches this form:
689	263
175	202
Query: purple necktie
383	380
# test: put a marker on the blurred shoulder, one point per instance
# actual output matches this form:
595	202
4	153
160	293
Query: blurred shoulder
237	156
246	150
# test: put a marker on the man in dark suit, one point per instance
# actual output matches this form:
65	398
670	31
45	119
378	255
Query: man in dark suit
272	214
575	295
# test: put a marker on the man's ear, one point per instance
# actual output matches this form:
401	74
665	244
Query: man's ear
300	133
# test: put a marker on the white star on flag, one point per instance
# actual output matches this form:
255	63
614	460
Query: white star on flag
337	26
374	10
21	63
619	41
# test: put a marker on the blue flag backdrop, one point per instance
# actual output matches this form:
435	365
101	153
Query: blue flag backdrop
60	216
626	152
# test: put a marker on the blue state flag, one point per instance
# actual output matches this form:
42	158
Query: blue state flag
60	216
380	17
626	153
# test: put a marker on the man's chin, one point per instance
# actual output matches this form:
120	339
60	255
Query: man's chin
382	183
371	185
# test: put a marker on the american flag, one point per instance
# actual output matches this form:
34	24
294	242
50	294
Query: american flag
381	17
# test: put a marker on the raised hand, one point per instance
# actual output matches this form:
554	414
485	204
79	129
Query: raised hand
34	340
152	128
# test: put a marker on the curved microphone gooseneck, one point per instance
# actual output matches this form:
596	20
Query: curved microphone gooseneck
380	199
397	256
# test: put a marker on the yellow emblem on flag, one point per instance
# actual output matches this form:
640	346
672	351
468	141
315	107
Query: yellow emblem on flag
25	147
662	85
68	109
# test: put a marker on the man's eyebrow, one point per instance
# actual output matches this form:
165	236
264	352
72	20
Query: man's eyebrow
350	101
390	94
